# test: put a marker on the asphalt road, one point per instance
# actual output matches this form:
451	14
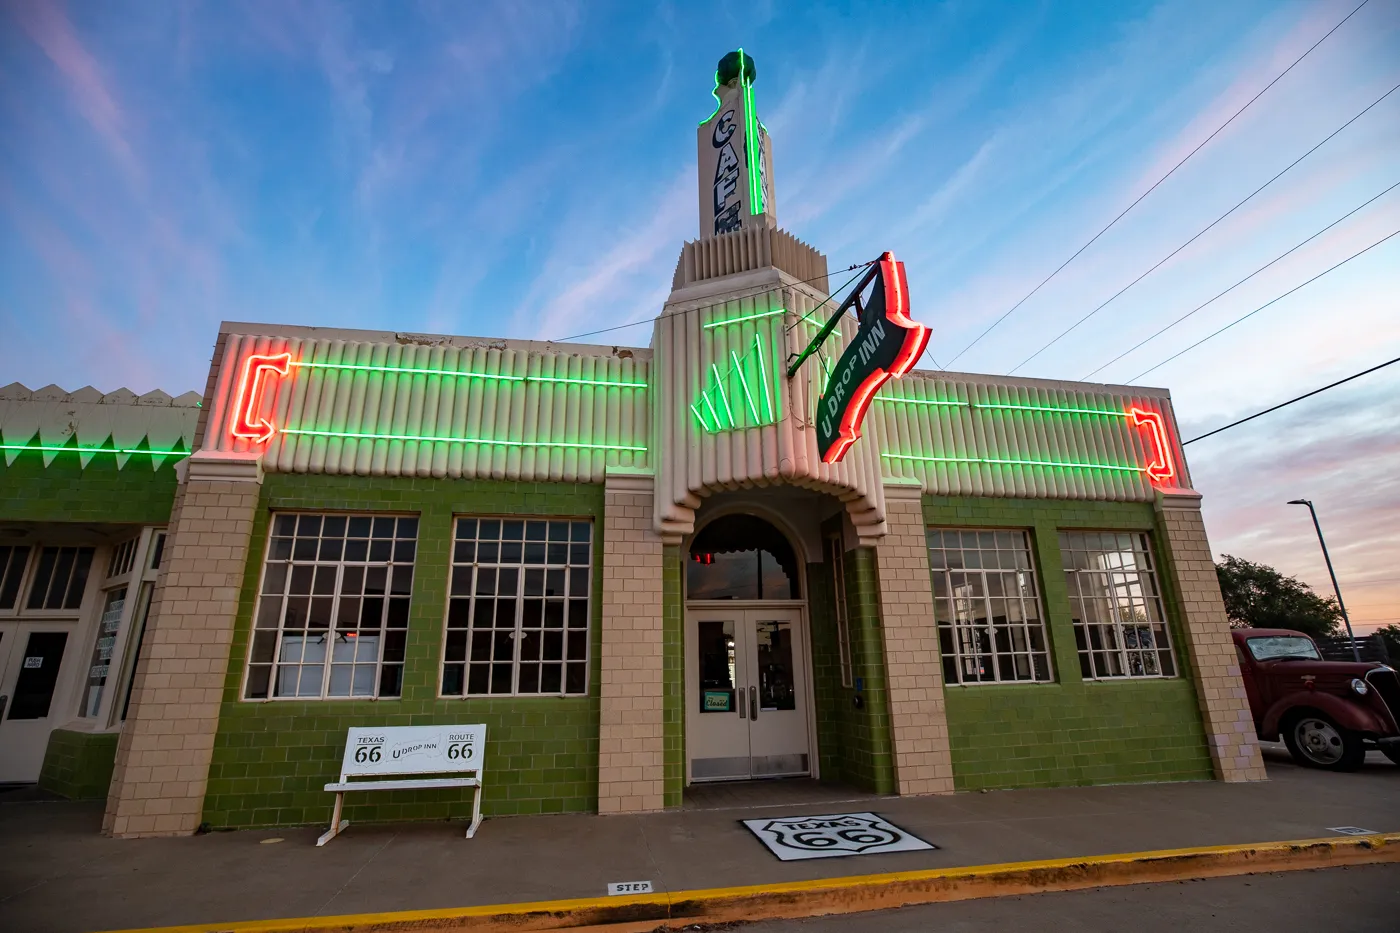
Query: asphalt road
1363	899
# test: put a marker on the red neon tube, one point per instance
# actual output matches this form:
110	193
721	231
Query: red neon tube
1161	469
248	424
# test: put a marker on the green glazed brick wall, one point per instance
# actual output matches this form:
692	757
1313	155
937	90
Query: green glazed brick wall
868	760
673	672
66	492
853	745
271	759
1071	731
78	765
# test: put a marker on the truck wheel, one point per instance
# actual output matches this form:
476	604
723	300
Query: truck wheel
1393	753
1315	741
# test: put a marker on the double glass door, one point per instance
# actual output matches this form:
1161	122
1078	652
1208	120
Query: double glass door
31	658
746	694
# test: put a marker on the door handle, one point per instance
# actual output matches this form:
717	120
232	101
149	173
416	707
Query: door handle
753	703
740	692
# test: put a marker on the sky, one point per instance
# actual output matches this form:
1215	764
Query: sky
527	170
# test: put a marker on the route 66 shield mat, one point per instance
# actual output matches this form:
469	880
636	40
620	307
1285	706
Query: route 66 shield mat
832	835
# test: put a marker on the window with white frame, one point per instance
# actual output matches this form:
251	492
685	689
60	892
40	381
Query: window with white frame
60	578
517	616
12	561
1119	624
987	607
332	613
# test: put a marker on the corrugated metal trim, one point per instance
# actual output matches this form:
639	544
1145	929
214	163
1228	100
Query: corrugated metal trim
957	417
695	463
52	417
745	250
523	415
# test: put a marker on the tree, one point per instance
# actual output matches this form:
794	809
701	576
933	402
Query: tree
1390	634
1258	596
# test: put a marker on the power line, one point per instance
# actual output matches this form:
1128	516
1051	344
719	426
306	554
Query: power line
1227	291
1258	414
1263	306
1064	333
1169	174
760	291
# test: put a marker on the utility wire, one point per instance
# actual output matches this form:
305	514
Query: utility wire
1064	333
1169	174
760	291
1263	306
1227	291
1259	414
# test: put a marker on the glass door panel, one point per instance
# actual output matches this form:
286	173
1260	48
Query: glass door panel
717	735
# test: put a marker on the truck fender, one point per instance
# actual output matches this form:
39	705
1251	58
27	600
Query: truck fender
1347	715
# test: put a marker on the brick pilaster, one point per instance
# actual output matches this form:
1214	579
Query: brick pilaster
918	721
631	734
163	754
1229	726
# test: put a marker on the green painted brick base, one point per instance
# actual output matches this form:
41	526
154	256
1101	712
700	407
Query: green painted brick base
272	759
78	765
65	491
1071	731
853	743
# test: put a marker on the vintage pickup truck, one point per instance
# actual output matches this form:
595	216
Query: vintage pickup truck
1328	712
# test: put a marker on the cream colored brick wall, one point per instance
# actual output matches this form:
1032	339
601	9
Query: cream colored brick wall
165	747
631	767
1234	749
918	720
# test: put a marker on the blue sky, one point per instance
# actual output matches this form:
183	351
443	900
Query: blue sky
527	170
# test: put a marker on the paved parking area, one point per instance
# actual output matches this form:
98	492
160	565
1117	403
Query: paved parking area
59	875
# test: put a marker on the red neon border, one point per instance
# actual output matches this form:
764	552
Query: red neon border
1161	468
915	340
247	424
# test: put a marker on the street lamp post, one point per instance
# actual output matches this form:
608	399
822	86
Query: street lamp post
1356	655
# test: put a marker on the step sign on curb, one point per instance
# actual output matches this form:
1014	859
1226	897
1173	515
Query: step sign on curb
628	887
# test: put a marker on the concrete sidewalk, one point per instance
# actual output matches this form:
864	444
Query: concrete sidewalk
58	875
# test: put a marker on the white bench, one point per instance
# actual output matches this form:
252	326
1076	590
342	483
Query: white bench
412	751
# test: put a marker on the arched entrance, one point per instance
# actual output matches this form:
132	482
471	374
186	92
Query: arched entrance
748	667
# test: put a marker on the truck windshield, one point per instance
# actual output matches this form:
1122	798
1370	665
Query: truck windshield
1273	647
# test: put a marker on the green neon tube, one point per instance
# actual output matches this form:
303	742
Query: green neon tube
1066	411
701	418
587	382
414	370
994	460
723	396
763	378
756	205
746	317
456	440
748	396
95	450
942	403
711	406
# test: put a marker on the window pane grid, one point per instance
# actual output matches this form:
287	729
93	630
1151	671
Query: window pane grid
1120	626
12	561
518	608
332	614
60	578
987	607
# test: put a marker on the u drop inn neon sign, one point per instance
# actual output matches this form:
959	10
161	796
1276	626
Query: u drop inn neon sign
886	346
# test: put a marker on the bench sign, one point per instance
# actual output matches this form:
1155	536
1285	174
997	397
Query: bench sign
413	749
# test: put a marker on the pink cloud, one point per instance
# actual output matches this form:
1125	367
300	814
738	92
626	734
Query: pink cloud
47	24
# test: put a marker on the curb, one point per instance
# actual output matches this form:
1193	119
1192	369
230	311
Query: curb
850	894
